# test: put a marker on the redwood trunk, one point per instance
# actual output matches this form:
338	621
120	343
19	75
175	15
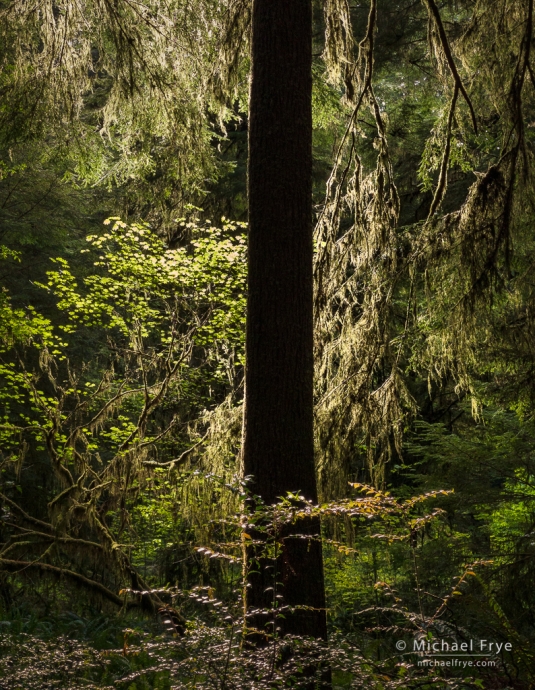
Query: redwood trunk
278	446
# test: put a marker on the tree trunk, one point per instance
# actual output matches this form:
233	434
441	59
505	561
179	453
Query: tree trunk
278	446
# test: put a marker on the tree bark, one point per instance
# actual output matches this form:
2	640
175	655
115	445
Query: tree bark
278	445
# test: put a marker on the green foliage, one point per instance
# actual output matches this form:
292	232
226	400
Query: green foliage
168	328
116	87
213	652
140	283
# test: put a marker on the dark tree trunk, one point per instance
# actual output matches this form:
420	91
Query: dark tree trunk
278	423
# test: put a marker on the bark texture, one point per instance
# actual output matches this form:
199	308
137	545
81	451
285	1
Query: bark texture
278	448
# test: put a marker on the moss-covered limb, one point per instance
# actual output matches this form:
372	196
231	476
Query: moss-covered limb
346	161
435	13
177	462
108	418
385	293
226	81
18	567
443	175
49	413
137	75
339	44
121	563
90	483
146	598
108	408
60	539
151	402
13	543
355	289
28	518
517	84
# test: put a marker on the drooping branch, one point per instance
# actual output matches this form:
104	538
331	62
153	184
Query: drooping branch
355	272
443	176
328	217
435	13
233	43
339	44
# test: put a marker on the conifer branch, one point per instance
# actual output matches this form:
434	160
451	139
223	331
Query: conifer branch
434	11
443	176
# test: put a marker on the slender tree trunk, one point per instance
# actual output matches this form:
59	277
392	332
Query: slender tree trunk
278	448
